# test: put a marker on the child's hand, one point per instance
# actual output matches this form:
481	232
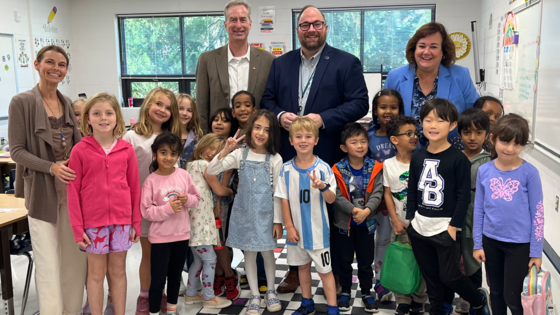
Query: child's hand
478	254
452	232
135	238
292	235
399	227
176	205
183	198
277	231
317	182
535	261
360	215
217	210
231	143
85	243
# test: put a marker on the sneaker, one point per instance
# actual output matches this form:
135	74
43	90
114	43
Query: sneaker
182	288
383	295
448	308
110	308
163	308
344	302
255	306
85	309
193	299
233	291
272	302
484	309
462	307
332	310
369	303
402	309
416	308
216	302
305	310
219	282
243	282
262	287
142	306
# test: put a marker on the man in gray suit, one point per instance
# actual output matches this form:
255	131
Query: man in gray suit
237	66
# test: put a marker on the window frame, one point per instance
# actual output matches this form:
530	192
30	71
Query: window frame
184	80
363	10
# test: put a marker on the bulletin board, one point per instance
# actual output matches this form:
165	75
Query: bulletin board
8	73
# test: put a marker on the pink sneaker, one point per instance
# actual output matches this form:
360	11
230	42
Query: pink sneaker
142	306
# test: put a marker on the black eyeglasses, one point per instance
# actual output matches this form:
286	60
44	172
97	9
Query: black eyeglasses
317	25
410	134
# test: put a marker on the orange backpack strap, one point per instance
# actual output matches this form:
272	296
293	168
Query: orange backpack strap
340	182
376	169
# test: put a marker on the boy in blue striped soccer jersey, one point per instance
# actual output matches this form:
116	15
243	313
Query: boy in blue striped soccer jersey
305	185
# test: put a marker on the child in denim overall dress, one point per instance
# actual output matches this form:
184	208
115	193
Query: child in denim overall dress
253	226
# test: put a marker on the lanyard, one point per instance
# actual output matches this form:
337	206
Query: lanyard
303	90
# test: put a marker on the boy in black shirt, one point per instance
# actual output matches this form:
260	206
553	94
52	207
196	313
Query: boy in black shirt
438	198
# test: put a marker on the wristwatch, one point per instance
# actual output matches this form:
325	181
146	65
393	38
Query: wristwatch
326	187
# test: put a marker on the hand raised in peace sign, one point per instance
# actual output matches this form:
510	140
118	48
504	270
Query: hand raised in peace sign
317	182
231	144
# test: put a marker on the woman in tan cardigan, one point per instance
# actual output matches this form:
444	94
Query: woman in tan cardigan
42	130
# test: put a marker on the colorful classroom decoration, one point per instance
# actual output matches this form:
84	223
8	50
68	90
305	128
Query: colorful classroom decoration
462	44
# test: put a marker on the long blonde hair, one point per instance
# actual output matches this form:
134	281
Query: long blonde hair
205	142
194	124
144	125
120	128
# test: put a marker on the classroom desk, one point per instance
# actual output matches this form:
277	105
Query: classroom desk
6	164
11	223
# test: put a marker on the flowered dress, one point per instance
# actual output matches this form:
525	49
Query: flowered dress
203	224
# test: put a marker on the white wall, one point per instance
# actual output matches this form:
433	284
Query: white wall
95	30
34	14
549	166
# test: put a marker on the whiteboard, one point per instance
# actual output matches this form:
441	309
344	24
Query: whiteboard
547	128
8	75
521	99
373	83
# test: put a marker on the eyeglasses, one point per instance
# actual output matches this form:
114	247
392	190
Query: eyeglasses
317	25
409	134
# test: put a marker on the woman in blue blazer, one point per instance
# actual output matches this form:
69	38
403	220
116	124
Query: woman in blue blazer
431	73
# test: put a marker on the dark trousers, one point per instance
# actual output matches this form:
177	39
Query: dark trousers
167	261
363	244
475	278
438	257
506	267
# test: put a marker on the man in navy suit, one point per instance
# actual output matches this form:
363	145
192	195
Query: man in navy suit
320	82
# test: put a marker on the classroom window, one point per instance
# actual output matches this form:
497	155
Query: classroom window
164	50
377	36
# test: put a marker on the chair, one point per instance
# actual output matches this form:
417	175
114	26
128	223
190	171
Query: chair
21	245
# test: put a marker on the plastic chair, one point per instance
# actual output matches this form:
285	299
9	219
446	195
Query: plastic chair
21	245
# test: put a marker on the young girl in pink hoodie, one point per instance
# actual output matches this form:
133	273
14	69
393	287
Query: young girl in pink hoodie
104	199
167	194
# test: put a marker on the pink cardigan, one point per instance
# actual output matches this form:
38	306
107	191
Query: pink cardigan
106	190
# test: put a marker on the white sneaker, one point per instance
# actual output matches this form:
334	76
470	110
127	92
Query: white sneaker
216	302
193	299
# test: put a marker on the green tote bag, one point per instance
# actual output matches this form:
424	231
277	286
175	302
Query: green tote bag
400	272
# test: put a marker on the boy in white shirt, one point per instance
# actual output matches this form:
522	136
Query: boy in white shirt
305	185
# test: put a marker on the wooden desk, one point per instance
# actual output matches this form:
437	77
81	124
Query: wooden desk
8	161
11	223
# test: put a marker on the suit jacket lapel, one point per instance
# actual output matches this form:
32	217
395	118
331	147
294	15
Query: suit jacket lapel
444	84
294	80
319	72
254	64
406	89
222	65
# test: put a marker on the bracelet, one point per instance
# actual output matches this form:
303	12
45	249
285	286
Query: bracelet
327	186
50	169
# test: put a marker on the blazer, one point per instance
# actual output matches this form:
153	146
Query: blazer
212	81
338	94
454	84
31	147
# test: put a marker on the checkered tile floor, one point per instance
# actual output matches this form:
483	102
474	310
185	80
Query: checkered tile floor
291	301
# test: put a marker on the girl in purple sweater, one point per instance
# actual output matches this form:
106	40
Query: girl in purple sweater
508	215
